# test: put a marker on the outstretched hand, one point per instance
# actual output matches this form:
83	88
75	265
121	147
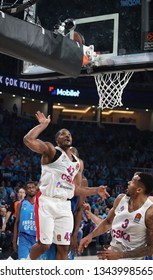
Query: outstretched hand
103	192
84	243
42	119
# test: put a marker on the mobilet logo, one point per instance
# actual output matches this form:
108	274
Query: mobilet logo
64	92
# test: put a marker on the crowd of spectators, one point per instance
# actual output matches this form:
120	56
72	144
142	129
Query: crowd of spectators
111	154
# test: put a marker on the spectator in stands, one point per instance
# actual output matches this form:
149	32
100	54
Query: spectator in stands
98	204
105	212
3	193
6	236
9	187
10	216
3	212
21	194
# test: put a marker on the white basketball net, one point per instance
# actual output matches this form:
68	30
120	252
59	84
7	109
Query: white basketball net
110	87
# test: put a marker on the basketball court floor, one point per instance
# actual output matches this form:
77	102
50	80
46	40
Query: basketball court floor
86	258
90	253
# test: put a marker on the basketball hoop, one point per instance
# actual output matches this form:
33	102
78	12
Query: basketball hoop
110	88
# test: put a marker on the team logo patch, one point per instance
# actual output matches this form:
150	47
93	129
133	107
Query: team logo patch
64	158
58	237
137	218
77	166
24	207
58	185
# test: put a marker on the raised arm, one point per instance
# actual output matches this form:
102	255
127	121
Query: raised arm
87	209
35	144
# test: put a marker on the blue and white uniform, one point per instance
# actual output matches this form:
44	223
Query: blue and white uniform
27	229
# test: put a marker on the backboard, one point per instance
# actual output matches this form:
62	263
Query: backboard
121	30
98	28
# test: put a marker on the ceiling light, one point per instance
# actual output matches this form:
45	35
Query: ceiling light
58	107
118	111
76	111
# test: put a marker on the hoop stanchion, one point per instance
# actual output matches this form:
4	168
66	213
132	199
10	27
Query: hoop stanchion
110	88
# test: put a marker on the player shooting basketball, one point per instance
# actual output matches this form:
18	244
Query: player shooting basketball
61	176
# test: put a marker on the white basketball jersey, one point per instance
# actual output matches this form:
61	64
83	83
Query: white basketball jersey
57	178
128	228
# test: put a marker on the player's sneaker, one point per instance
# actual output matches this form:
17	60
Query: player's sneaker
10	258
64	27
91	58
71	255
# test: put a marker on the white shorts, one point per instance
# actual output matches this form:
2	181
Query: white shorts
55	220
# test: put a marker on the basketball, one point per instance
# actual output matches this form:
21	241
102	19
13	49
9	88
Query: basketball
78	37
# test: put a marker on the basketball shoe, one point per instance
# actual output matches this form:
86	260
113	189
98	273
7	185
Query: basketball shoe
91	58
64	27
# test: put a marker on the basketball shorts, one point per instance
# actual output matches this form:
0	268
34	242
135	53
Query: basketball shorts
54	220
